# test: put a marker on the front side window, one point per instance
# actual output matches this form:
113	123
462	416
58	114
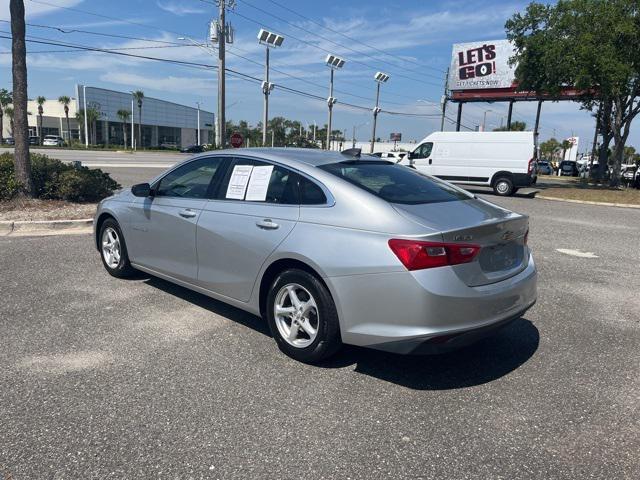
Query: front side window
395	183
191	180
424	150
257	181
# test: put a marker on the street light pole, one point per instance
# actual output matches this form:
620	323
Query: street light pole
265	90
269	40
221	130
330	102
484	120
198	131
375	117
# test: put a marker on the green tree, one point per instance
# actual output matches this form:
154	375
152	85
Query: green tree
65	101
21	158
549	148
5	101
40	101
593	45
124	115
93	115
565	145
515	127
138	96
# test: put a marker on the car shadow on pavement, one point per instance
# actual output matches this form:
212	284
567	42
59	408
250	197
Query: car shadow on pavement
483	362
219	308
529	192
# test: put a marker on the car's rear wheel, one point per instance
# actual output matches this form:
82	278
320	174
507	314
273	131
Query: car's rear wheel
302	316
503	186
113	250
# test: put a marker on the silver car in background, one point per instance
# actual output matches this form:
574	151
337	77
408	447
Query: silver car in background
328	247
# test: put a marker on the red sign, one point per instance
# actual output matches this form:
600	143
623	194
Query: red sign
236	140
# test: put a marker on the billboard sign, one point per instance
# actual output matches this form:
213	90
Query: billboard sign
481	65
395	137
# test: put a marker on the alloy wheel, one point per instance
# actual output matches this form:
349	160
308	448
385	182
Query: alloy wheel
111	247
296	315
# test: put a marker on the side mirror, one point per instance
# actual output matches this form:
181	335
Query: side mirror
409	155
141	190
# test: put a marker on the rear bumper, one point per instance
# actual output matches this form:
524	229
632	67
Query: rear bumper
524	180
428	311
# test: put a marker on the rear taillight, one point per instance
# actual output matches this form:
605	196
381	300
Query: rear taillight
417	255
531	165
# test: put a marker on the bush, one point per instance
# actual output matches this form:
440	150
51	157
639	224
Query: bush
55	180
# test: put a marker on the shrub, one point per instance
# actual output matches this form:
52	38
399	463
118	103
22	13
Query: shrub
55	180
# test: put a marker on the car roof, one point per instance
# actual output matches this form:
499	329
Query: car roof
294	156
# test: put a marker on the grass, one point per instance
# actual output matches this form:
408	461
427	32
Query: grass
571	188
33	209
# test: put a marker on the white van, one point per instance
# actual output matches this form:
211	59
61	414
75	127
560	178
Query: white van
501	160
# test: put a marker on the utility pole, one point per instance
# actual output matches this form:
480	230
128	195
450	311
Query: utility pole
224	34
445	97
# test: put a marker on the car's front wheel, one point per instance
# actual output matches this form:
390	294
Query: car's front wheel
302	316
113	250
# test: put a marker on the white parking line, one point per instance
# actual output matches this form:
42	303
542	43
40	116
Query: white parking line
127	165
577	253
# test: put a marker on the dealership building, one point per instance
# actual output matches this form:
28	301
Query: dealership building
163	123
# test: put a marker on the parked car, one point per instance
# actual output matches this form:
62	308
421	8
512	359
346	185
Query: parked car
569	168
34	140
328	247
629	174
193	149
501	160
53	140
168	146
9	141
545	168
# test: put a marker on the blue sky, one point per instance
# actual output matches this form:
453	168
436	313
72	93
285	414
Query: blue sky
416	37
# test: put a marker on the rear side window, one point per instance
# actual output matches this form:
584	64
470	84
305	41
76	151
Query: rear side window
395	183
310	193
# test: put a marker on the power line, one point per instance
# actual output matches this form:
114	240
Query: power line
337	32
328	39
262	24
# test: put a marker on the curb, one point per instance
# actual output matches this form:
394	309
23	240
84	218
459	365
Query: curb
587	202
44	226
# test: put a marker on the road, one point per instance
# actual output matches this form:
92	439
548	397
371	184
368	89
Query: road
106	378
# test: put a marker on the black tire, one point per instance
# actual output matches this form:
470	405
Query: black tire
327	339
123	269
503	186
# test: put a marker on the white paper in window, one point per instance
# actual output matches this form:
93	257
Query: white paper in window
259	183
238	181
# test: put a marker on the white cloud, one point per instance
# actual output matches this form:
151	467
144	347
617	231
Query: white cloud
33	9
177	8
177	84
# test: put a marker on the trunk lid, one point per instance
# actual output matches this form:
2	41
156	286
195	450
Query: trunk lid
499	232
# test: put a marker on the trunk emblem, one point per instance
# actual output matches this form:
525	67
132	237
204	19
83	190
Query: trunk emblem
463	238
508	235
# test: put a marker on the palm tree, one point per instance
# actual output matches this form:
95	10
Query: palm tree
65	101
21	159
40	101
5	100
565	145
80	120
124	114
138	95
8	111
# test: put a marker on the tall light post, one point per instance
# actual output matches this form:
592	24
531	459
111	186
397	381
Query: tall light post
334	63
380	78
269	40
198	131
353	135
484	119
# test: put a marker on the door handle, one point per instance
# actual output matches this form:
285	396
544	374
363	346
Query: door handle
430	161
187	213
267	224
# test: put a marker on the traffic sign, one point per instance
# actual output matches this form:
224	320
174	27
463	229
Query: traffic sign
236	140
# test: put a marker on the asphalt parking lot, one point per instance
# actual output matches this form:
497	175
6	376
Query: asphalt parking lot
106	378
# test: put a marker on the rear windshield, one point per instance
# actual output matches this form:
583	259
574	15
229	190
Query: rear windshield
395	183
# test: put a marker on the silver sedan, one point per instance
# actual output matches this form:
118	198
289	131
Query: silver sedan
329	248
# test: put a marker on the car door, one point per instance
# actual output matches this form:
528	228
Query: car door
255	208
422	159
163	226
